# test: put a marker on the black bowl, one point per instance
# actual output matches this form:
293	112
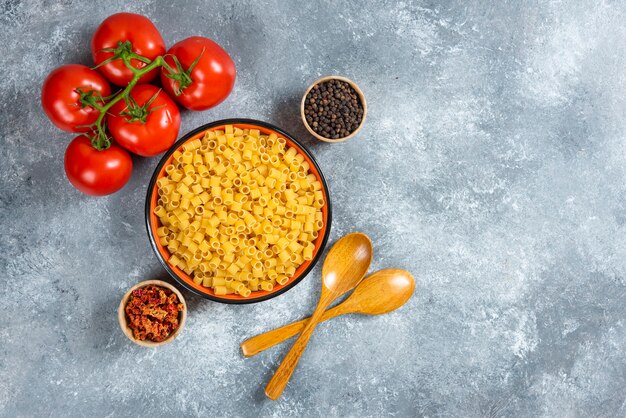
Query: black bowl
187	283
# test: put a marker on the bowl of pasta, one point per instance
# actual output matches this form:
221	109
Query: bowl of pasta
238	211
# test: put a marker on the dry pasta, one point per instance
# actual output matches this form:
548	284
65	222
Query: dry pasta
239	211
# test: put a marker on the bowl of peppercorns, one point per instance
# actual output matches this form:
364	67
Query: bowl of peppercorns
333	109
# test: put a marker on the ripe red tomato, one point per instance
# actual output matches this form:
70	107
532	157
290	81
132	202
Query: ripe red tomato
160	126
211	79
96	173
142	35
60	96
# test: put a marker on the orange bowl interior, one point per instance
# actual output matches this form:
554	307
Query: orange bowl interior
155	223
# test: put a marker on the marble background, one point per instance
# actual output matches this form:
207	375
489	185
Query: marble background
492	166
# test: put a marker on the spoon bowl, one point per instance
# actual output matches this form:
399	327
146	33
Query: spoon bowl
381	292
346	263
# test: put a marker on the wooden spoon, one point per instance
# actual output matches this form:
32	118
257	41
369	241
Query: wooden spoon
379	293
344	267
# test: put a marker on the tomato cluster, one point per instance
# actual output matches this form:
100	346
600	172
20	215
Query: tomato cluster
129	53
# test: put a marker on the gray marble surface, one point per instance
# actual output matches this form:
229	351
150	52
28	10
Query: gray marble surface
492	166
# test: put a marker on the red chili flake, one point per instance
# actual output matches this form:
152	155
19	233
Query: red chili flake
152	313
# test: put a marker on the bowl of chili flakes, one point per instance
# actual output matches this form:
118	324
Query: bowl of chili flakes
152	313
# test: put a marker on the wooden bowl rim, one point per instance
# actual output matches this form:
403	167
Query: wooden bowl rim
121	314
359	93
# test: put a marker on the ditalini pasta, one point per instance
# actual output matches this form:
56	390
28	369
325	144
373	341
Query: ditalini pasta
239	211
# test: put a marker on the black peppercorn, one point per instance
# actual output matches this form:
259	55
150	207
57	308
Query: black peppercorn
335	107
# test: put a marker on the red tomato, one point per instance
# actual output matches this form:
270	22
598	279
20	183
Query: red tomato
60	98
211	79
159	129
96	173
142	35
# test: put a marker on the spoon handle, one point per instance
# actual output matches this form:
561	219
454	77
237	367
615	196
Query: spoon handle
281	377
262	342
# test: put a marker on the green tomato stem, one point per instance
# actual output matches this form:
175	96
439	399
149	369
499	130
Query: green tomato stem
124	51
101	140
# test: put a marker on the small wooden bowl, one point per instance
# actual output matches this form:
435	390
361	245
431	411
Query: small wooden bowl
121	314
361	98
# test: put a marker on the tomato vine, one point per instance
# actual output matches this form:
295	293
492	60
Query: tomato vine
100	140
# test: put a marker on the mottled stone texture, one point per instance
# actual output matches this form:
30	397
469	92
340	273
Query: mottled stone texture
492	166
